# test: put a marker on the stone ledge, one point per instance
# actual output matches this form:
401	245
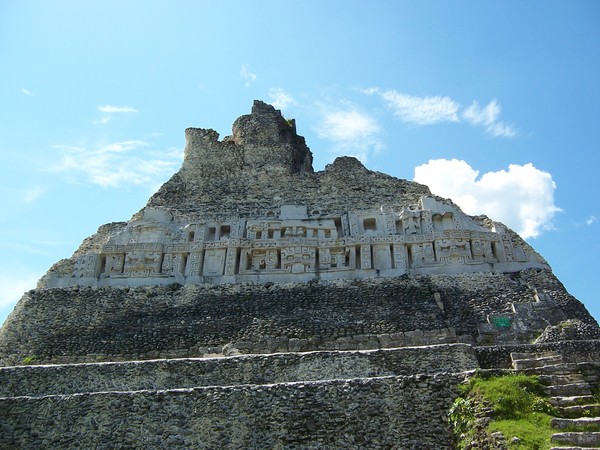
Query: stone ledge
402	412
235	370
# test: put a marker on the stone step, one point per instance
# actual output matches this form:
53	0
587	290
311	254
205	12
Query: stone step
580	438
552	360
564	390
561	379
536	355
553	369
590	410
572	400
587	423
233	370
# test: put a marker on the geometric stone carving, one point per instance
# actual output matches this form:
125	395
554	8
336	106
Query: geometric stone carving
390	241
214	262
86	266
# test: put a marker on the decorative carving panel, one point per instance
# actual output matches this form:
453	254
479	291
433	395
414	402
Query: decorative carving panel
194	264
230	261
453	251
387	238
365	257
324	259
139	263
298	259
214	262
86	266
482	250
400	257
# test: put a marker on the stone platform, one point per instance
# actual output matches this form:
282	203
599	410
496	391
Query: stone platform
354	399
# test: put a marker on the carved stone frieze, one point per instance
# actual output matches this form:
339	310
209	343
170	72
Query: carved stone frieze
391	240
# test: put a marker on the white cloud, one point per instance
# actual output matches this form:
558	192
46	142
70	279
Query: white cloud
117	164
368	91
103	120
421	110
501	129
245	73
347	126
109	110
591	220
430	110
27	92
31	194
280	99
488	118
14	285
124	146
522	197
353	132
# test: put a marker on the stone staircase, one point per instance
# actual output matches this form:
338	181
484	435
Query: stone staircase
391	398
571	394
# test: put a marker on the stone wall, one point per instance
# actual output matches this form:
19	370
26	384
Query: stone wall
247	369
388	412
104	324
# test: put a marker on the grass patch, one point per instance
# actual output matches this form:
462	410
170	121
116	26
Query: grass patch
566	324
595	393
514	405
28	360
532	431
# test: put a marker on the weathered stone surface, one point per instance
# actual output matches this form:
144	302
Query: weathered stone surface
84	324
160	374
375	413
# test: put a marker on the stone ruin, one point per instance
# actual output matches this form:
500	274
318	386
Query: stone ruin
288	226
248	279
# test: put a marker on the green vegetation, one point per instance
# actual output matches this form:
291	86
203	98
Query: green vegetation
514	405
30	359
566	324
596	393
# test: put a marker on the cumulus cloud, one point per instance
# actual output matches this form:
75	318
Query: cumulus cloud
522	197
430	110
280	99
591	220
27	92
247	75
109	110
352	131
117	164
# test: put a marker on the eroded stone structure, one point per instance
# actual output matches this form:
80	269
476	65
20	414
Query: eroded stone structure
263	238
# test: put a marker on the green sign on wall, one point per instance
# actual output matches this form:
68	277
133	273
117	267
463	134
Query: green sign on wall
501	321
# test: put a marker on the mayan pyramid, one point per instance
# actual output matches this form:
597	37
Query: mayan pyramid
256	303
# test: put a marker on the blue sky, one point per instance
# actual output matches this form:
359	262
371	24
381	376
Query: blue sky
494	104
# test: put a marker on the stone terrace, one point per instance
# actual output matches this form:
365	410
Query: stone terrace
275	401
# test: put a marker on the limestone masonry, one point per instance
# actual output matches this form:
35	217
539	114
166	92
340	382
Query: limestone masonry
256	303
